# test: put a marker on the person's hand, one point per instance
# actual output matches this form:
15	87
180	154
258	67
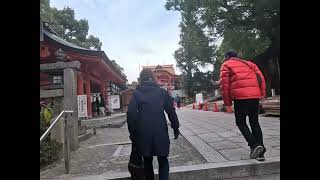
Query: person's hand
176	133
262	98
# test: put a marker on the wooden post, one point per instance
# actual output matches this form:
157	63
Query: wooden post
66	144
70	103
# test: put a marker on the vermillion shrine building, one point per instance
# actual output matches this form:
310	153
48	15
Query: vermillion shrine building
87	72
165	76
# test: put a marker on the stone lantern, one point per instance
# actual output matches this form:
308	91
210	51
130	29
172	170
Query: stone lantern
60	55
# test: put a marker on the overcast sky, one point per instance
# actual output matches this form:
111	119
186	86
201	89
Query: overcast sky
132	32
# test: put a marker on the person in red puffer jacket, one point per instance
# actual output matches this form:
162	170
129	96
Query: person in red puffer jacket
243	83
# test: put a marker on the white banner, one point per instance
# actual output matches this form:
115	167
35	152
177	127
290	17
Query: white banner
82	106
199	98
180	92
94	96
114	101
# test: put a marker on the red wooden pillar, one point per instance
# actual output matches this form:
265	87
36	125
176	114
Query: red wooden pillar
106	94
102	90
88	93
80	84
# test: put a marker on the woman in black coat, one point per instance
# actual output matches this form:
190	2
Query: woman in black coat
148	126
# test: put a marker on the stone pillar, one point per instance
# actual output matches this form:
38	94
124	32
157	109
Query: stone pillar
57	132
70	103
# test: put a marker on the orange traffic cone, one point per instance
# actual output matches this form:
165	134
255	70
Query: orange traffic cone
229	110
215	107
193	106
206	106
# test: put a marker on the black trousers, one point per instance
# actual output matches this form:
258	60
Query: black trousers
244	108
163	168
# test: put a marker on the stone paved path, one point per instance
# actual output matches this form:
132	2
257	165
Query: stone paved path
261	177
102	155
208	137
216	136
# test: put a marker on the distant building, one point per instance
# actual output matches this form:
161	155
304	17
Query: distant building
165	76
133	85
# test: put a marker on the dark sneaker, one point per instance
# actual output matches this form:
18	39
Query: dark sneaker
261	158
257	151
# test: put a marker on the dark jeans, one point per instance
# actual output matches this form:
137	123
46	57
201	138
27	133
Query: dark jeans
163	168
244	108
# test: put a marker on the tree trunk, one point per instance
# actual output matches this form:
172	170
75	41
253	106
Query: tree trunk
268	84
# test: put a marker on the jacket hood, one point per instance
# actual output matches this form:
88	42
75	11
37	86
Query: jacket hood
146	86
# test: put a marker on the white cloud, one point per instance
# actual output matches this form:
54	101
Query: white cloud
131	31
143	50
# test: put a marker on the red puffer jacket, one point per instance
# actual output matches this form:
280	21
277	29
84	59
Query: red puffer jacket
239	81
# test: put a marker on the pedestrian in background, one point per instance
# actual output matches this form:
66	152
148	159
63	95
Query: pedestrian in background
102	106
178	101
97	106
243	83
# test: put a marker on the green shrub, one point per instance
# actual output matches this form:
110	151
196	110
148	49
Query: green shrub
49	149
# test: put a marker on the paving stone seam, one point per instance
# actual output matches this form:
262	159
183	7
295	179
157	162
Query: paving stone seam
118	151
209	146
203	155
225	138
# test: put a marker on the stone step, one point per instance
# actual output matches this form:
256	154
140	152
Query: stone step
222	170
82	130
116	120
86	135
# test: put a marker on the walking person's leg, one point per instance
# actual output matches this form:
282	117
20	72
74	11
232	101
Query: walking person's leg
102	111
148	167
163	168
254	124
241	110
241	115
